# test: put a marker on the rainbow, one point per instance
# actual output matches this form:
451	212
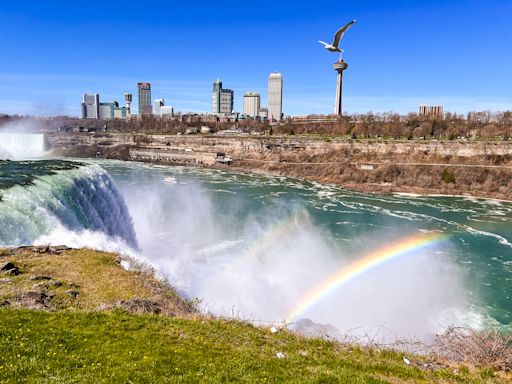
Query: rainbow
405	247
268	239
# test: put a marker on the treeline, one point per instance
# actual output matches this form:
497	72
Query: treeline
451	126
475	125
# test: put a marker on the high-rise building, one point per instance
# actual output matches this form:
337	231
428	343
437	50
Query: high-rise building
432	110
121	112
222	99
91	106
275	96
159	103
252	104
128	97
144	90
263	113
166	110
227	101
107	110
217	90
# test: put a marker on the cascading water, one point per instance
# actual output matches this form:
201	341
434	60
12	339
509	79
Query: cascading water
62	203
21	145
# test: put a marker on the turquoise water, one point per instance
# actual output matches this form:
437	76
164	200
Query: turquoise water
251	246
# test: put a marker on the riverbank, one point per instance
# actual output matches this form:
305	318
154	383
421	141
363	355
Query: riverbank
482	169
72	315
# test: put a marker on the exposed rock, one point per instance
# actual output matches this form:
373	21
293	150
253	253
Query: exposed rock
40	278
141	306
34	296
47	282
59	249
33	300
41	287
8	268
12	272
72	293
309	328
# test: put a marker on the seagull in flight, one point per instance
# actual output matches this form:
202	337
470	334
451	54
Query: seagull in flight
334	47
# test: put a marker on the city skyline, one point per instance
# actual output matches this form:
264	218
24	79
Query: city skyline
402	55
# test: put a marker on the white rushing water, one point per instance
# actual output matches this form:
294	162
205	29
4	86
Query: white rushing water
79	207
21	146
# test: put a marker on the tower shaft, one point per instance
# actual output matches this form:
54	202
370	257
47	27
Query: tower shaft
339	67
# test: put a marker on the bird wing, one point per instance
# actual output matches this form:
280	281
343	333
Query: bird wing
340	33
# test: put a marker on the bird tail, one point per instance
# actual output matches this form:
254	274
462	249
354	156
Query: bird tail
324	43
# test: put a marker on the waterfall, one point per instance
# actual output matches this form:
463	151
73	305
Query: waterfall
65	207
18	146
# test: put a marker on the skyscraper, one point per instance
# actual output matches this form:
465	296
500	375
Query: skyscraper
91	106
217	90
222	99
144	90
275	96
432	110
159	103
227	101
252	104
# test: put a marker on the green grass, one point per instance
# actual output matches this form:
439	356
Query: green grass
117	347
97	277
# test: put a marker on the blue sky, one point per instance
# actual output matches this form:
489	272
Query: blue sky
400	53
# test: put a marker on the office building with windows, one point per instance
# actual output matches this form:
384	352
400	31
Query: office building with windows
252	104
275	96
144	93
91	106
222	99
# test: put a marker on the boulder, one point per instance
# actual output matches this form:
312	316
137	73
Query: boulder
8	268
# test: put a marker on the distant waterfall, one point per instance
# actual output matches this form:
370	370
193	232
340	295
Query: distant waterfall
18	146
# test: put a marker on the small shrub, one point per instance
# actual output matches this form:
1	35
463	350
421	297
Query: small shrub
448	177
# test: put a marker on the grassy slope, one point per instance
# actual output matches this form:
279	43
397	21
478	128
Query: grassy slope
97	277
75	343
118	347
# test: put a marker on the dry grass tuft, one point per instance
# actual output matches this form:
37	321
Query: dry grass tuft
476	348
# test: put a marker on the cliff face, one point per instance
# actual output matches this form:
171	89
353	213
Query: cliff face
476	168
